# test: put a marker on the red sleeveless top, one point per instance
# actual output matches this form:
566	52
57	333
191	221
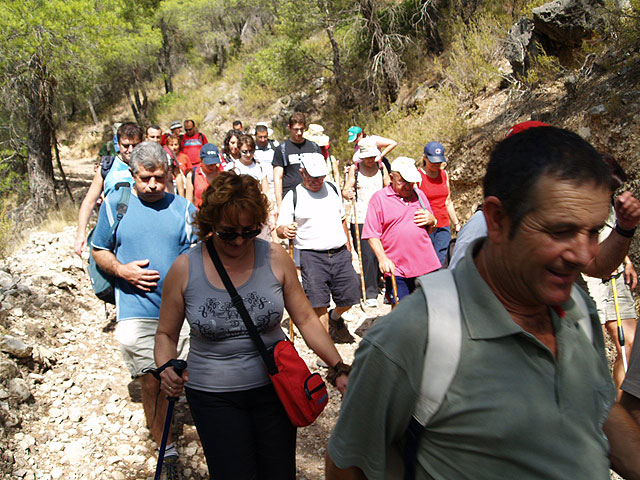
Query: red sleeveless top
437	192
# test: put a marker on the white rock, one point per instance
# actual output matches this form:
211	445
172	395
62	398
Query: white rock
56	473
62	281
6	280
74	452
17	312
15	346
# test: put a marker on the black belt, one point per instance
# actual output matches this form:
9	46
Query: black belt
331	251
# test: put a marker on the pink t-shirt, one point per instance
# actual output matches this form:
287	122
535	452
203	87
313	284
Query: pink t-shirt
390	219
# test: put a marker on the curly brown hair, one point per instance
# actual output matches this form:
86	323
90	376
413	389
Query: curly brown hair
229	196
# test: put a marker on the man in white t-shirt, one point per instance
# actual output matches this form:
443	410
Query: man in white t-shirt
312	214
265	148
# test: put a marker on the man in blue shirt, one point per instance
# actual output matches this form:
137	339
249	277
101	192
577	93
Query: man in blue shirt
154	231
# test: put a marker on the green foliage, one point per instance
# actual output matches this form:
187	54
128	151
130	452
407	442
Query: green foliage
543	67
283	66
471	61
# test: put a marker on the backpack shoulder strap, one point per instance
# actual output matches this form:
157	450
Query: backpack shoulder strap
441	360
444	342
122	206
316	148
105	165
585	319
335	189
201	137
295	201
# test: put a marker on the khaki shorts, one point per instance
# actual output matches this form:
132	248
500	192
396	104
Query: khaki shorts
136	337
602	294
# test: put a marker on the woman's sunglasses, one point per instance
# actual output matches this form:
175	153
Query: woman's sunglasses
246	234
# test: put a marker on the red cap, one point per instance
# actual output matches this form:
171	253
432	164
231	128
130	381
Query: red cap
521	127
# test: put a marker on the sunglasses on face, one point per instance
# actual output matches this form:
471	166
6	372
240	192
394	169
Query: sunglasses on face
246	152
126	146
246	234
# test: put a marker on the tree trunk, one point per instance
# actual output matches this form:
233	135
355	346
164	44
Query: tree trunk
135	111
59	163
93	112
344	93
165	57
39	160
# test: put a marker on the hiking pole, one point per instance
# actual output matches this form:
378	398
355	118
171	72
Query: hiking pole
394	286
620	330
355	221
179	366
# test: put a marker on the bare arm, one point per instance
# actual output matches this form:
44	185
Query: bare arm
303	316
278	172
623	431
131	272
170	323
189	193
89	201
385	263
385	145
349	183
451	210
331	472
615	247
346	232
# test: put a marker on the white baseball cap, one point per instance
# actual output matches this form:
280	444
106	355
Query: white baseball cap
406	167
315	165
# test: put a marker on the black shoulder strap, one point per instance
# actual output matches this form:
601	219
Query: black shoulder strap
193	176
201	137
295	201
335	189
105	165
121	207
242	310
316	148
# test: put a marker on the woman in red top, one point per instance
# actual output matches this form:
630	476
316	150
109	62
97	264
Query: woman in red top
435	185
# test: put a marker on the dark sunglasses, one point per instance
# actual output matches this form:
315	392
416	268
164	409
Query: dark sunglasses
246	152
246	234
125	146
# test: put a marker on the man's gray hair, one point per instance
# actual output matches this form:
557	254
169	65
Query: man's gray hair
149	155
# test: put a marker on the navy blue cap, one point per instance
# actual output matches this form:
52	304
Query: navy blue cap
434	151
210	154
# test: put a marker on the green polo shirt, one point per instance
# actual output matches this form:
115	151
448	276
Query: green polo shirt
513	411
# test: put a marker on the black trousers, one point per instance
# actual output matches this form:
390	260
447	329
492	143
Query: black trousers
245	435
370	267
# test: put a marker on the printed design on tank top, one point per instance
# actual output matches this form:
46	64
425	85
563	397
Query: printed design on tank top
221	320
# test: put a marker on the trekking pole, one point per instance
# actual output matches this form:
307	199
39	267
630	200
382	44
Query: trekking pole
620	330
290	320
358	243
179	366
394	286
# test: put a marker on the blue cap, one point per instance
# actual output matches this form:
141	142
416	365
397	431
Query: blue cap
209	154
434	151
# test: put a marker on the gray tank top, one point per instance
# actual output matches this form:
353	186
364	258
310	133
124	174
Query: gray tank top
222	356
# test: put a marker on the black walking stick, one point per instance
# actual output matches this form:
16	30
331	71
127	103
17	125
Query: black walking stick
179	366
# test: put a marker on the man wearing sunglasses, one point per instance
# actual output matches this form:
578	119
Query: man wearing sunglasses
312	214
154	231
113	170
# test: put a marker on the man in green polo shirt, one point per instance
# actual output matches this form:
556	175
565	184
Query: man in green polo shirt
531	391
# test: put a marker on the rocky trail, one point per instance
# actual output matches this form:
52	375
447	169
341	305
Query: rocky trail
68	408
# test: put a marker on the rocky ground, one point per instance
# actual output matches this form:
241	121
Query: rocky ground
68	408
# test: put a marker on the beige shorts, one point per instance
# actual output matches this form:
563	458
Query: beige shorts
602	294
136	337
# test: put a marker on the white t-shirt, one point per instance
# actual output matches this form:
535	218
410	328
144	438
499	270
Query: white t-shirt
265	159
319	218
254	170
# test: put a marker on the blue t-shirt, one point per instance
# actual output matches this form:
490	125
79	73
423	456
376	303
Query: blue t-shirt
159	231
118	173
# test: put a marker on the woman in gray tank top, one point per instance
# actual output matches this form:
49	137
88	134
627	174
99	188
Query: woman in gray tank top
244	430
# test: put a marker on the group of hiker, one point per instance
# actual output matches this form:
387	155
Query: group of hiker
492	367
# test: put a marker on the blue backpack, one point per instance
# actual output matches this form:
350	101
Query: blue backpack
102	283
